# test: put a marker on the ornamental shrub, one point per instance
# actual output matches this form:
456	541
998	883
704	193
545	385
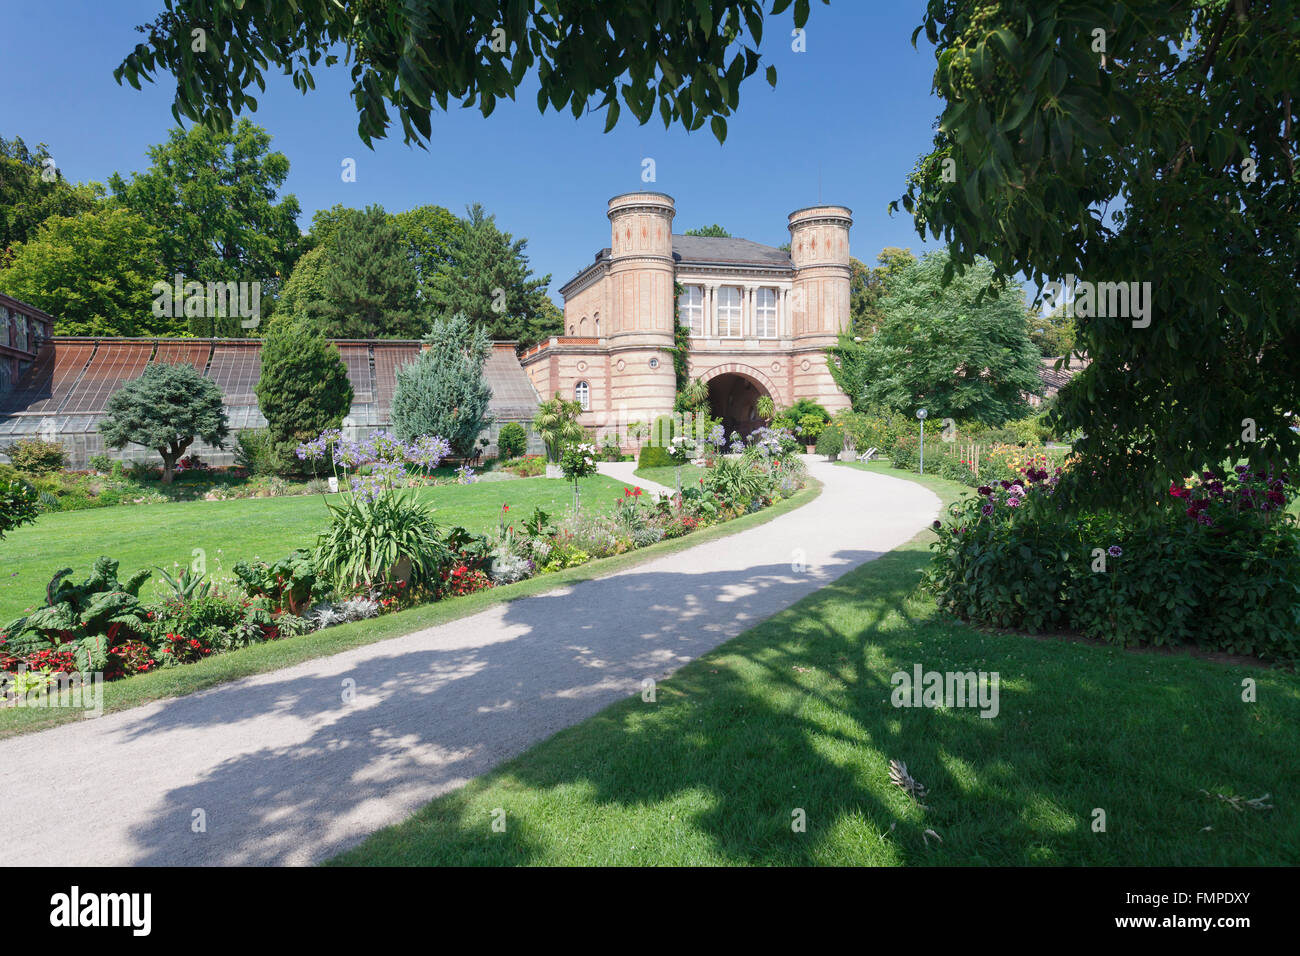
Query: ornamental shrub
1216	565
512	440
831	441
36	457
654	456
19	504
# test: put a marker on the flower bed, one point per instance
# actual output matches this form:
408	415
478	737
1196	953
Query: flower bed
1216	565
101	625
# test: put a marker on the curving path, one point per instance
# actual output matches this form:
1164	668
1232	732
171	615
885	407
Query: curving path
285	772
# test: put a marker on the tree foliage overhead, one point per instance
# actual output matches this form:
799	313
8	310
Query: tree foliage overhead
165	409
685	58
486	277
1149	141
954	350
444	392
213	196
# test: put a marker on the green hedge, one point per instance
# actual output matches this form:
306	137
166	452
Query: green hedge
654	456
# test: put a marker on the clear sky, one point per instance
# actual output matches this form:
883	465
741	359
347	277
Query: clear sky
845	124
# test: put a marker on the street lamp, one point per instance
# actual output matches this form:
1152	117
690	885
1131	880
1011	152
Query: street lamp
920	413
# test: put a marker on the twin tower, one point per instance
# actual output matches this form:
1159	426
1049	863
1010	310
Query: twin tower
759	316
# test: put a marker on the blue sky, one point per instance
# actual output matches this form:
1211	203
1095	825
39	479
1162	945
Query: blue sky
852	113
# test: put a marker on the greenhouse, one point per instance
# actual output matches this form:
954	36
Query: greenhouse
61	393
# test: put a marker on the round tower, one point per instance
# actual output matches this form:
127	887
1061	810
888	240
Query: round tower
819	298
640	329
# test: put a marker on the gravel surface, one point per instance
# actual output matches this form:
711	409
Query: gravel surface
289	767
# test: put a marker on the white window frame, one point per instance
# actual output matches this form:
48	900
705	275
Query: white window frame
730	316
765	315
691	307
582	395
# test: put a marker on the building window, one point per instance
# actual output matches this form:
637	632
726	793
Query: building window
582	395
765	313
691	308
729	311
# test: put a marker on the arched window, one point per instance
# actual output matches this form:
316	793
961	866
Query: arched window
582	326
582	395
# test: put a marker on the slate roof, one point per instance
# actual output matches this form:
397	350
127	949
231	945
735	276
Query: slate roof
708	249
711	250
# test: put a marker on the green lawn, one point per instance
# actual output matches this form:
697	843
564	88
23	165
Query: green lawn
273	655
795	714
228	531
667	476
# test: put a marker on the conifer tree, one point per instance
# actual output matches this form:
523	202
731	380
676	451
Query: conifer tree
303	388
444	392
487	278
367	282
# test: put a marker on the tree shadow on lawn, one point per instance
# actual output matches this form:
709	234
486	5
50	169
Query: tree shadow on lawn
794	716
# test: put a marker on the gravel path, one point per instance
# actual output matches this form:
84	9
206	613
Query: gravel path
279	769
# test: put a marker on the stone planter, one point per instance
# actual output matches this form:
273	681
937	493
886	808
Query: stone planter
848	454
554	471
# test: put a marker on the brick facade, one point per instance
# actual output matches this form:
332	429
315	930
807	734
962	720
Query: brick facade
761	318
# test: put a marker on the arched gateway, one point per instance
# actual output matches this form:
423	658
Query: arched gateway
734	391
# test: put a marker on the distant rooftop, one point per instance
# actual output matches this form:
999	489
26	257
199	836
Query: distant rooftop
692	249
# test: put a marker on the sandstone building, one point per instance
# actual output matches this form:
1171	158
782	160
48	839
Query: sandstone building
759	318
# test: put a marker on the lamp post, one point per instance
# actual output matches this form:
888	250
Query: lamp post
920	413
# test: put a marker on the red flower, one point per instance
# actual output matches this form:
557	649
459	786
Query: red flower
505	507
1178	492
626	492
638	493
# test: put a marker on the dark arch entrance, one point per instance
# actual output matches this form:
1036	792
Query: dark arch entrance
734	399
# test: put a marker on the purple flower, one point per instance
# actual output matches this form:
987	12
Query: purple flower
987	509
1013	502
1115	551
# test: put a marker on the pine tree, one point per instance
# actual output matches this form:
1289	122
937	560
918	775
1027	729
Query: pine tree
487	278
368	285
304	387
444	391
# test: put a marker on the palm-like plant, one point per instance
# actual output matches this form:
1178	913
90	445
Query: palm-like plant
695	393
766	408
556	423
